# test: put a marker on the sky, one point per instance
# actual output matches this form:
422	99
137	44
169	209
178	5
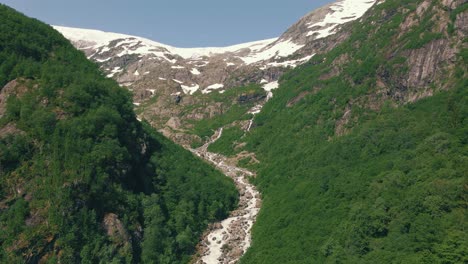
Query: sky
180	23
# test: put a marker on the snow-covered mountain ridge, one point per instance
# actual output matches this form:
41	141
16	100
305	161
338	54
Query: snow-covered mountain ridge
172	86
111	49
96	40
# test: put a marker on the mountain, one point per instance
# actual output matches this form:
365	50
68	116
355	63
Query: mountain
175	88
114	51
81	180
361	155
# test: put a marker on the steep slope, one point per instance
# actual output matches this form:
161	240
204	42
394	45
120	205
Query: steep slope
81	180
176	88
363	150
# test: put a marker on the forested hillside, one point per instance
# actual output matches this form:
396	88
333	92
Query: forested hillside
363	151
81	180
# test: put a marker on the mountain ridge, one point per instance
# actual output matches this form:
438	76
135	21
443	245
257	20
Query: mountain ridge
97	38
166	84
317	24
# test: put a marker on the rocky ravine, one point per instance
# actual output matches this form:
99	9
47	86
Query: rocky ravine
227	241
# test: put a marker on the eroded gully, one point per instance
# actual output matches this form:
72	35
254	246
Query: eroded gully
225	242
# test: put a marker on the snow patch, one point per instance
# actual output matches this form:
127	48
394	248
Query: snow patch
342	12
270	86
177	81
195	71
280	49
199	53
143	48
256	109
127	84
177	67
114	71
215	86
102	60
104	49
190	89
290	63
212	87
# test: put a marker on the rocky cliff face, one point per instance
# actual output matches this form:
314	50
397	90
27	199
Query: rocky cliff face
421	58
168	82
432	57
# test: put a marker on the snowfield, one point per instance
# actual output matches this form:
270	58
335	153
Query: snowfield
269	50
342	12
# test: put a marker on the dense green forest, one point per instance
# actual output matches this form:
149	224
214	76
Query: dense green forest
351	174
81	180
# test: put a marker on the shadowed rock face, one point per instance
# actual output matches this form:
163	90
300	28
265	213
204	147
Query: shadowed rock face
245	98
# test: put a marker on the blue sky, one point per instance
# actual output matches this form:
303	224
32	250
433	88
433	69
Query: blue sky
181	23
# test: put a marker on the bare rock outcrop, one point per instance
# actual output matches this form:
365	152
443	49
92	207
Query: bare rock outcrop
115	229
426	62
461	24
16	87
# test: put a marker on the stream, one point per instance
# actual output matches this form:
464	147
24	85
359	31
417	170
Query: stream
225	242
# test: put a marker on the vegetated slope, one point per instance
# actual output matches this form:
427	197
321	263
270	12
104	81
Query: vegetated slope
363	151
81	180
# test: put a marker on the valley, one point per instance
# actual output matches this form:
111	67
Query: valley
343	140
227	241
322	83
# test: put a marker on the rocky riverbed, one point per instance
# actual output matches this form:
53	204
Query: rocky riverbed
225	242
